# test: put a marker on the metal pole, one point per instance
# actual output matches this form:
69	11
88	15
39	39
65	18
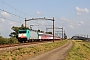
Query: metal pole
31	27
62	33
25	22
87	36
53	29
44	19
46	29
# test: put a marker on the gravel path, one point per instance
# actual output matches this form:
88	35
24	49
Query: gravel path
55	54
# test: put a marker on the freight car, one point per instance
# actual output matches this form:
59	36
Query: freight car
31	35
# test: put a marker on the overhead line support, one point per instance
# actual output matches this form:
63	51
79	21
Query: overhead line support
42	19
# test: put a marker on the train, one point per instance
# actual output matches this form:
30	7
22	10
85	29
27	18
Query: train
26	35
79	38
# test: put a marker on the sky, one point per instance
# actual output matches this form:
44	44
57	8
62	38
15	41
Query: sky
72	15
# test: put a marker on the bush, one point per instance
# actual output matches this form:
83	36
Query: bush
12	40
3	40
8	40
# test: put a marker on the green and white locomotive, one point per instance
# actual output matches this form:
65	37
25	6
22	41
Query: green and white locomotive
27	35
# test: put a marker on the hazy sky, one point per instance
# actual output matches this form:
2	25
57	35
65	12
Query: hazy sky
72	15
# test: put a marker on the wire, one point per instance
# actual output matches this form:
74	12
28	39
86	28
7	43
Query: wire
12	14
10	19
16	10
13	7
40	24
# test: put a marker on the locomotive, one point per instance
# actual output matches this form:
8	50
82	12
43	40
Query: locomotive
32	35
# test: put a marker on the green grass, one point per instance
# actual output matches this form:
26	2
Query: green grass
79	51
24	53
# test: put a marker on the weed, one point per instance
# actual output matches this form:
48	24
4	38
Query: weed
79	51
31	51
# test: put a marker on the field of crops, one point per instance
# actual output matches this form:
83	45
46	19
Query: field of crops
25	53
79	51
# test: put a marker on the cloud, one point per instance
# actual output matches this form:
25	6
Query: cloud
71	26
2	20
78	24
81	22
63	18
75	24
11	23
78	13
81	11
5	14
37	12
1	28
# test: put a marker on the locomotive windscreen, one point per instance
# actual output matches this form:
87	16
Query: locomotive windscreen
22	32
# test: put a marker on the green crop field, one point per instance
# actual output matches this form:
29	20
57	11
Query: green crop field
25	53
79	51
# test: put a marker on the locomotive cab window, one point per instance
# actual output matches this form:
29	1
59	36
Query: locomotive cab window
22	32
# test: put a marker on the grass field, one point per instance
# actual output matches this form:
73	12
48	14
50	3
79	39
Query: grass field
25	53
79	51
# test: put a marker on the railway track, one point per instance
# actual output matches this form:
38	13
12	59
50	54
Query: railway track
9	47
12	45
20	44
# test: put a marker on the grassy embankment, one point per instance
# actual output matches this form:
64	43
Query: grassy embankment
24	53
79	51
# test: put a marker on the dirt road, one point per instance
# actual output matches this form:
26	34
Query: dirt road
55	54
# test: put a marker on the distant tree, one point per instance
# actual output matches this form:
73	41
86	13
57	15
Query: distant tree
16	29
23	27
49	32
42	31
38	30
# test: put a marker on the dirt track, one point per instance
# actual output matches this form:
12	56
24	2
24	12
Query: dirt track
55	54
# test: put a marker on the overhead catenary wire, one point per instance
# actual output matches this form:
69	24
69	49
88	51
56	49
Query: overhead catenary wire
7	4
16	10
16	21
10	19
15	14
40	24
12	14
